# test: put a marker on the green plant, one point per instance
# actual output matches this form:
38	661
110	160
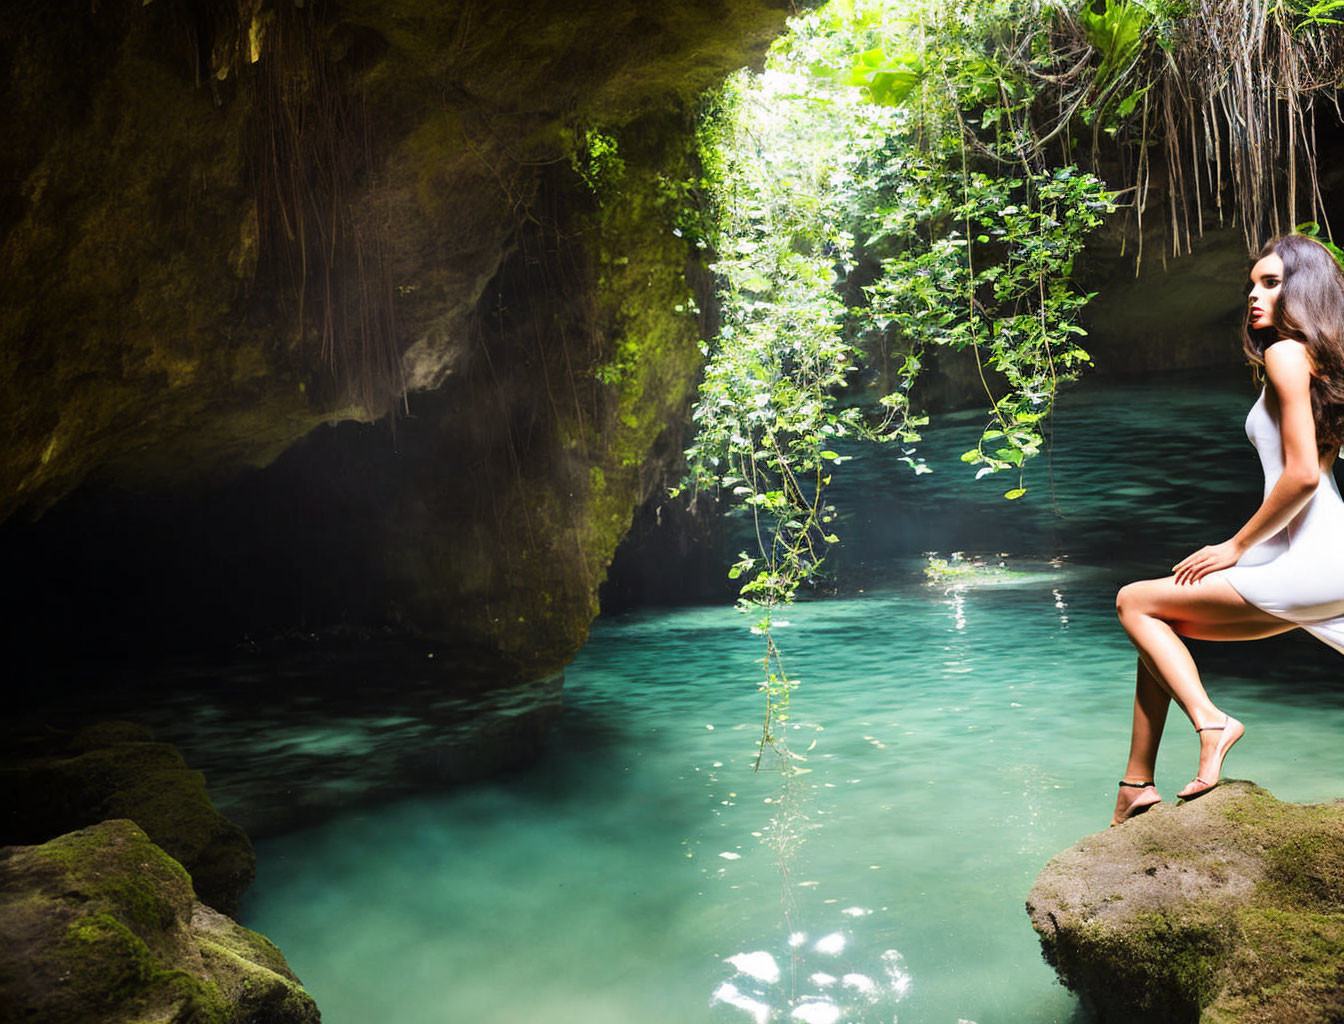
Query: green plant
1305	16
766	418
598	161
865	145
896	182
1313	230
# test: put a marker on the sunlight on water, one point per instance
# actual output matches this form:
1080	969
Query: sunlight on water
956	736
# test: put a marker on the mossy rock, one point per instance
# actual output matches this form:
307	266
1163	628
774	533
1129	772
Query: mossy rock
101	924
54	782
1224	910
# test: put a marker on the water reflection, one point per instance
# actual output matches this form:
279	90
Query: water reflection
1063	607
957	599
860	986
728	994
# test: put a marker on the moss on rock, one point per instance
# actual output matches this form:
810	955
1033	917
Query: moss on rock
102	924
614	353
1229	909
53	782
249	970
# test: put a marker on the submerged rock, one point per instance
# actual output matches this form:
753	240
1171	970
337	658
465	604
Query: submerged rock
1226	909
54	782
282	757
103	925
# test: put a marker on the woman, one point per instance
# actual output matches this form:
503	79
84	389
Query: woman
1284	569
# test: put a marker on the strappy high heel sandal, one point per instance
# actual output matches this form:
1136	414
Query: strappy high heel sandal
1141	802
1232	731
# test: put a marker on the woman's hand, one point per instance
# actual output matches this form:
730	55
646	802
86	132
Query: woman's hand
1194	568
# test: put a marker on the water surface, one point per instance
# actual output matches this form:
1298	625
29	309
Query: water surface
956	736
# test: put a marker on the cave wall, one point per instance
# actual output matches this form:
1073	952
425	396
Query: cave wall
236	236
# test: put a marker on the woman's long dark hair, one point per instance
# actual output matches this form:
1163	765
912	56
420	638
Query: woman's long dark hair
1310	310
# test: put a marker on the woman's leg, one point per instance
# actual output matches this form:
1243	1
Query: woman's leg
1151	702
1155	615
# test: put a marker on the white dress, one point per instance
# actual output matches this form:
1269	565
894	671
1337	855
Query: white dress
1297	574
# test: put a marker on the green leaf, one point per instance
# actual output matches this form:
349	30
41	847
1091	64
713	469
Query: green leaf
873	58
1127	104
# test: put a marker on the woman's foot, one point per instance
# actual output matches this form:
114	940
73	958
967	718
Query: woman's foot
1214	743
1134	798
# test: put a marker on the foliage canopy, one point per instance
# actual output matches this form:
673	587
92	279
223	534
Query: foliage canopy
906	177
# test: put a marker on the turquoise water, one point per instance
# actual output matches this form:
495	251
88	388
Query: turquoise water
955	738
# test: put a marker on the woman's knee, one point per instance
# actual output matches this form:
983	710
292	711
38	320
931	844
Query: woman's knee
1129	600
1124	599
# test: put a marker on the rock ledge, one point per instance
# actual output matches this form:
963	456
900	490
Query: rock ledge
102	925
1226	909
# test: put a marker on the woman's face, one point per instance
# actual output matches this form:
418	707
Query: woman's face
1266	280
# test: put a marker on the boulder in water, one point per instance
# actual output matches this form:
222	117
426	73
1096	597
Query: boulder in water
53	782
1229	908
101	924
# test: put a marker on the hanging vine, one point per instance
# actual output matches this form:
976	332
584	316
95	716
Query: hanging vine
941	143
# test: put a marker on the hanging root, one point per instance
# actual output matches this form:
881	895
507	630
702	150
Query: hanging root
313	171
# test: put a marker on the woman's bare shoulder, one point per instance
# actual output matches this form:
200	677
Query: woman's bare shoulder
1288	367
1289	357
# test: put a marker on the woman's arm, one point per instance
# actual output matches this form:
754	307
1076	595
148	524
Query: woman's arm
1289	370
